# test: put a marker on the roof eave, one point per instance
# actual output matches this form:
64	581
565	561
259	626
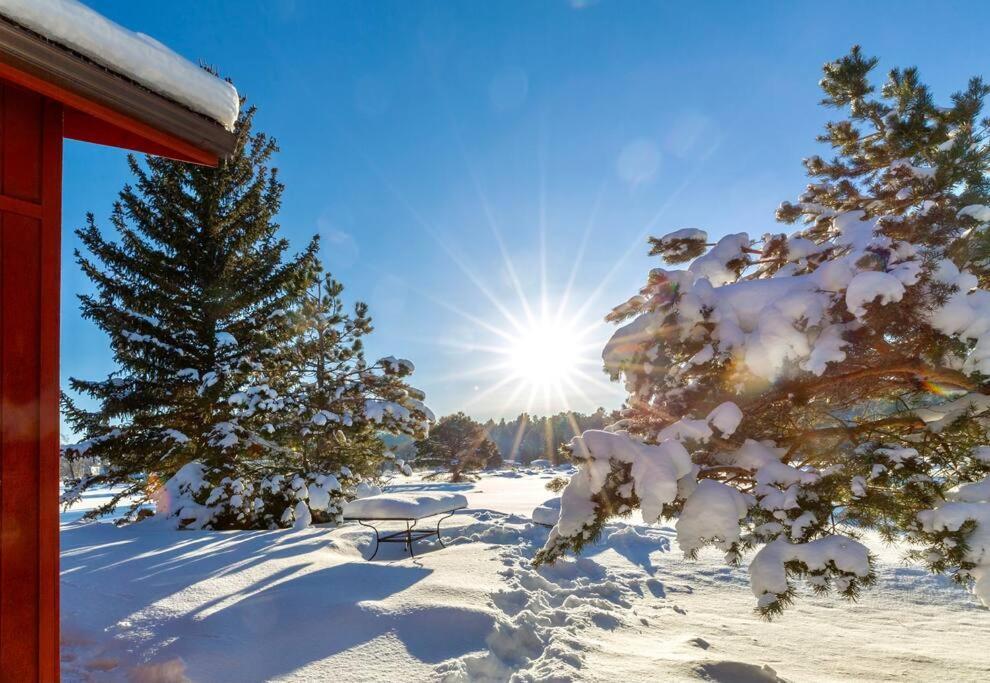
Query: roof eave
34	62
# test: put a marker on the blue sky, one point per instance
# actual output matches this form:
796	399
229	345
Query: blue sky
462	158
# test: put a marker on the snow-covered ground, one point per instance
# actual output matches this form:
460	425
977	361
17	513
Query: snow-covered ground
146	604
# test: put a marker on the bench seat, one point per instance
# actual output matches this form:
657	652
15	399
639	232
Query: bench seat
547	514
402	506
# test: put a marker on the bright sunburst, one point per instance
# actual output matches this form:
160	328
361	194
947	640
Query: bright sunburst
531	348
545	363
544	355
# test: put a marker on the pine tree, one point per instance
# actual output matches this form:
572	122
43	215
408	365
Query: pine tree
342	405
457	445
790	392
193	293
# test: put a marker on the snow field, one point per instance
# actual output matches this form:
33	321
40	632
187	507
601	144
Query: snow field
146	603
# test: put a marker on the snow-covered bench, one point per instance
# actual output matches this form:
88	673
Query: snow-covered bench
403	507
547	514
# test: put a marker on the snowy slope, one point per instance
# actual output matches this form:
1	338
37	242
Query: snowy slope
148	604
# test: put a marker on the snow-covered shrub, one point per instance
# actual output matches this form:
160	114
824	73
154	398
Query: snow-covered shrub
201	498
789	391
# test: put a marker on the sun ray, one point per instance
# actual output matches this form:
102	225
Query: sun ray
517	439
532	394
607	387
510	399
637	243
575	388
493	225
497	234
541	160
476	372
474	400
547	437
470	317
430	230
576	430
460	345
593	325
582	247
482	197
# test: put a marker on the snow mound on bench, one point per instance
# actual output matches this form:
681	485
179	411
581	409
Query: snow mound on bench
547	514
404	505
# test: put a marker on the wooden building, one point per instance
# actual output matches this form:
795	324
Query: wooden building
64	73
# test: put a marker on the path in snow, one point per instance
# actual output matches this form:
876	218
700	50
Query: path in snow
146	604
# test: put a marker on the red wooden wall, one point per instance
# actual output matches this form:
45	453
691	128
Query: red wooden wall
30	216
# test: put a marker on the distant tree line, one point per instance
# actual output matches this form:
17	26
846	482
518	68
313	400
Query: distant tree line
523	439
531	437
457	445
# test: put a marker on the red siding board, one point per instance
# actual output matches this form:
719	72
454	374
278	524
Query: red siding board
22	114
30	183
19	444
49	290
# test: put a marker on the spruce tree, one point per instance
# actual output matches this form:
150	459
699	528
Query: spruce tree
457	446
790	392
342	405
194	291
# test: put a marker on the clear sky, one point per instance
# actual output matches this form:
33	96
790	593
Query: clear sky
488	171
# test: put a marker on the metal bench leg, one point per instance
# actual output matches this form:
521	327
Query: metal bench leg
409	540
448	516
407	536
377	540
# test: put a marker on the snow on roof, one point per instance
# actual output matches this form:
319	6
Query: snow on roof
134	55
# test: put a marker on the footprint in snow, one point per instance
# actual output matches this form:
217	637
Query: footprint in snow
656	588
737	672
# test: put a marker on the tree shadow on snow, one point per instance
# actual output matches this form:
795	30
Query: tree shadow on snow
636	544
113	577
431	486
308	617
136	567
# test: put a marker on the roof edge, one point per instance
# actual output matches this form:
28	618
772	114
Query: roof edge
75	75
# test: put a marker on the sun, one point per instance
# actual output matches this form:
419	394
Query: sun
544	355
540	360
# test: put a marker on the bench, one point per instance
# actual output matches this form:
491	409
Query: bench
403	507
547	514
